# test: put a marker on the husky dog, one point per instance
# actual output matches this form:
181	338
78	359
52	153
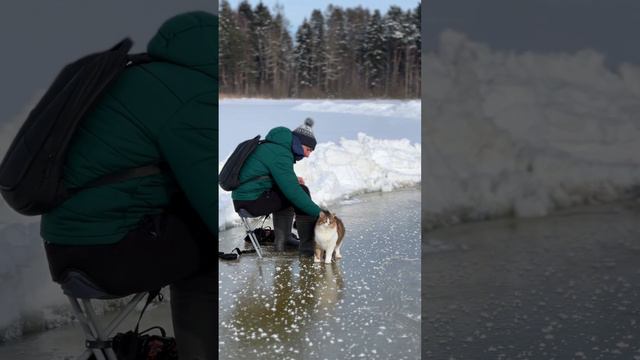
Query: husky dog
329	232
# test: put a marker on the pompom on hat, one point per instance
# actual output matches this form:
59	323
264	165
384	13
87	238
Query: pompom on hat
305	134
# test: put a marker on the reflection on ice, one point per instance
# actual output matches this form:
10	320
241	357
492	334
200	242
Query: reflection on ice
282	307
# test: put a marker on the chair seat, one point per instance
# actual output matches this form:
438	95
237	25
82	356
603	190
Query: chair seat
244	213
78	285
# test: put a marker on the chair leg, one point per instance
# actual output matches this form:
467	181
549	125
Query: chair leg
88	321
100	336
88	330
252	236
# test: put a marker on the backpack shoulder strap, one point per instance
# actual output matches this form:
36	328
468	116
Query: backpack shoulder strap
123	175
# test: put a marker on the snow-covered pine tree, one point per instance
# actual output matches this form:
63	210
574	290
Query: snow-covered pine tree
416	74
374	55
262	51
282	47
395	39
249	71
302	60
337	52
231	51
356	26
287	67
318	51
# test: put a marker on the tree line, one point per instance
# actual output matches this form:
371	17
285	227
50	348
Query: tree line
338	53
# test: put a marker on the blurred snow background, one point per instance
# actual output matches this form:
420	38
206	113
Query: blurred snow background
524	133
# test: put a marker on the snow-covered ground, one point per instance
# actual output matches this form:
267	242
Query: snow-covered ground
523	133
363	145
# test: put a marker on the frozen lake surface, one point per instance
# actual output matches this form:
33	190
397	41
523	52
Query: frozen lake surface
566	286
366	305
356	306
67	342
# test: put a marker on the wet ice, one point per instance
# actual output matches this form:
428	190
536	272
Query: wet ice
559	287
365	305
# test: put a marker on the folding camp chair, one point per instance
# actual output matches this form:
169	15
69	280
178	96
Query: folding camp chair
245	216
80	289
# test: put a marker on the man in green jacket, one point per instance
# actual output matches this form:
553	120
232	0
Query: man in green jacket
147	232
270	185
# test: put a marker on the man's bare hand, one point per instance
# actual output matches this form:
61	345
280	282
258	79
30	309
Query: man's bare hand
300	180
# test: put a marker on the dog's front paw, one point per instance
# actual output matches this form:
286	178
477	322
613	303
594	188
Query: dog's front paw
316	260
327	261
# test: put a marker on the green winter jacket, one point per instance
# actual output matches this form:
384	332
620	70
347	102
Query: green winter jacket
274	158
163	111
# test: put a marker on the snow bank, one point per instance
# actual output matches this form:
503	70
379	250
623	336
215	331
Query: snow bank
522	134
29	300
336	171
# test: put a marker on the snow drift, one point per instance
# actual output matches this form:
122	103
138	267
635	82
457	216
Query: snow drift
337	171
522	134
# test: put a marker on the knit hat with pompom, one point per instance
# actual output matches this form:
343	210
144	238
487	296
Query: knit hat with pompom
305	134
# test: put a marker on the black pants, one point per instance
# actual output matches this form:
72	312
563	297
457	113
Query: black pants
161	250
270	201
173	248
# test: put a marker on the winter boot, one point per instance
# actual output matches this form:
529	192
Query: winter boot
306	231
282	227
293	243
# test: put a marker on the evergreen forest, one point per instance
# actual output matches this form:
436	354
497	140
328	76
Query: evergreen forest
336	53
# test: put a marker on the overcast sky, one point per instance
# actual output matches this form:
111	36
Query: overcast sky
609	26
39	37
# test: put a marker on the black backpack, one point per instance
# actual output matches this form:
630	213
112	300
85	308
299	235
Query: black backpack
31	173
229	175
